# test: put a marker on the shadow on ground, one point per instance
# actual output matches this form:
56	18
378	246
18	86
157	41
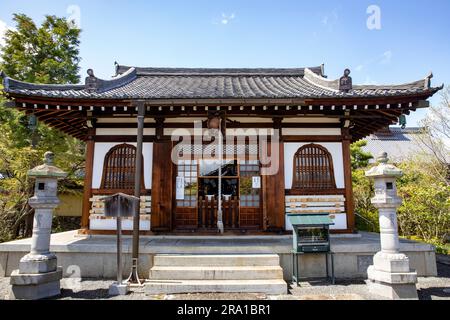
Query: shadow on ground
84	294
429	293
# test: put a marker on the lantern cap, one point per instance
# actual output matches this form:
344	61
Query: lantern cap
384	169
47	170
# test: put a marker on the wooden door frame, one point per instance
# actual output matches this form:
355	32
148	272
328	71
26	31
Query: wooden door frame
235	158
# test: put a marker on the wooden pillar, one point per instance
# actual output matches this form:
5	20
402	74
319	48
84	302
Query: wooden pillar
89	166
349	202
274	192
162	186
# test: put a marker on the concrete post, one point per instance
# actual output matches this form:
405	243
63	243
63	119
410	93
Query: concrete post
390	275
38	275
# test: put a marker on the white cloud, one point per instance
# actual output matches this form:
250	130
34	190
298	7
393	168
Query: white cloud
3	28
386	57
226	18
330	19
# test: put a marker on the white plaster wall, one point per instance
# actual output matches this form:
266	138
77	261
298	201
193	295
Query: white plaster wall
311	120
231	132
101	149
310	131
123	120
335	148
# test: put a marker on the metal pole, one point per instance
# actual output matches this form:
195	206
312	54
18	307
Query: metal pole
134	277
119	249
219	210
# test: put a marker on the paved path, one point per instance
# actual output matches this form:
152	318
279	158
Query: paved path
429	289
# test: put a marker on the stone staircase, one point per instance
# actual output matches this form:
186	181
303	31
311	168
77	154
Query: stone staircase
258	273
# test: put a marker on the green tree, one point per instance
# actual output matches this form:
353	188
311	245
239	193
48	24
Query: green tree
366	213
45	54
360	158
425	212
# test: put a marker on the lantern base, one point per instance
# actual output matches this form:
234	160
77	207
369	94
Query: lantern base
392	285
35	286
37	264
393	291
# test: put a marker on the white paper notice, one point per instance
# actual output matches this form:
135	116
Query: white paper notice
180	188
256	182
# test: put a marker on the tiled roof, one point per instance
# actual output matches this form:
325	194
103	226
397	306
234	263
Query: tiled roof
400	144
183	83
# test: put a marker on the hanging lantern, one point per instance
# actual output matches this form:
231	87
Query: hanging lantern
214	122
402	121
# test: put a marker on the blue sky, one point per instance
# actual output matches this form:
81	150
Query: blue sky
413	39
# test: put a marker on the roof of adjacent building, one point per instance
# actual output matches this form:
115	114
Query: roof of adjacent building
400	144
201	83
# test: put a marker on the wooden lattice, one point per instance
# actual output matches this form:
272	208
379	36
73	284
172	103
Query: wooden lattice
119	168
313	169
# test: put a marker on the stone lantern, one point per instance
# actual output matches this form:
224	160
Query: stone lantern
390	275
38	275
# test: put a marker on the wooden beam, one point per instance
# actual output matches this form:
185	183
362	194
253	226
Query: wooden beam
311	138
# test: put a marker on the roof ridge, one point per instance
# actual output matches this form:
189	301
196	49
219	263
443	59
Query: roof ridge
176	71
8	82
320	81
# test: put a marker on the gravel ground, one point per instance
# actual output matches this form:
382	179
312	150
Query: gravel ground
432	288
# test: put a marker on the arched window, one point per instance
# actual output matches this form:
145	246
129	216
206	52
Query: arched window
119	168
313	169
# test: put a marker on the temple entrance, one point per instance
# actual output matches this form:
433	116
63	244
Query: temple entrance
197	195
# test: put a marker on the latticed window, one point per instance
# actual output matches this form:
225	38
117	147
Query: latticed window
313	169
249	196
188	170
119	168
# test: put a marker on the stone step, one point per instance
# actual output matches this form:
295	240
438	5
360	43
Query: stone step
216	273
274	287
216	260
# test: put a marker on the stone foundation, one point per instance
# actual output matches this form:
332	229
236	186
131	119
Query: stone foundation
95	256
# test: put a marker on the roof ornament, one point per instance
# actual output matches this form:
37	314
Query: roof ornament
383	158
49	158
345	82
322	70
402	121
92	82
428	80
117	66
